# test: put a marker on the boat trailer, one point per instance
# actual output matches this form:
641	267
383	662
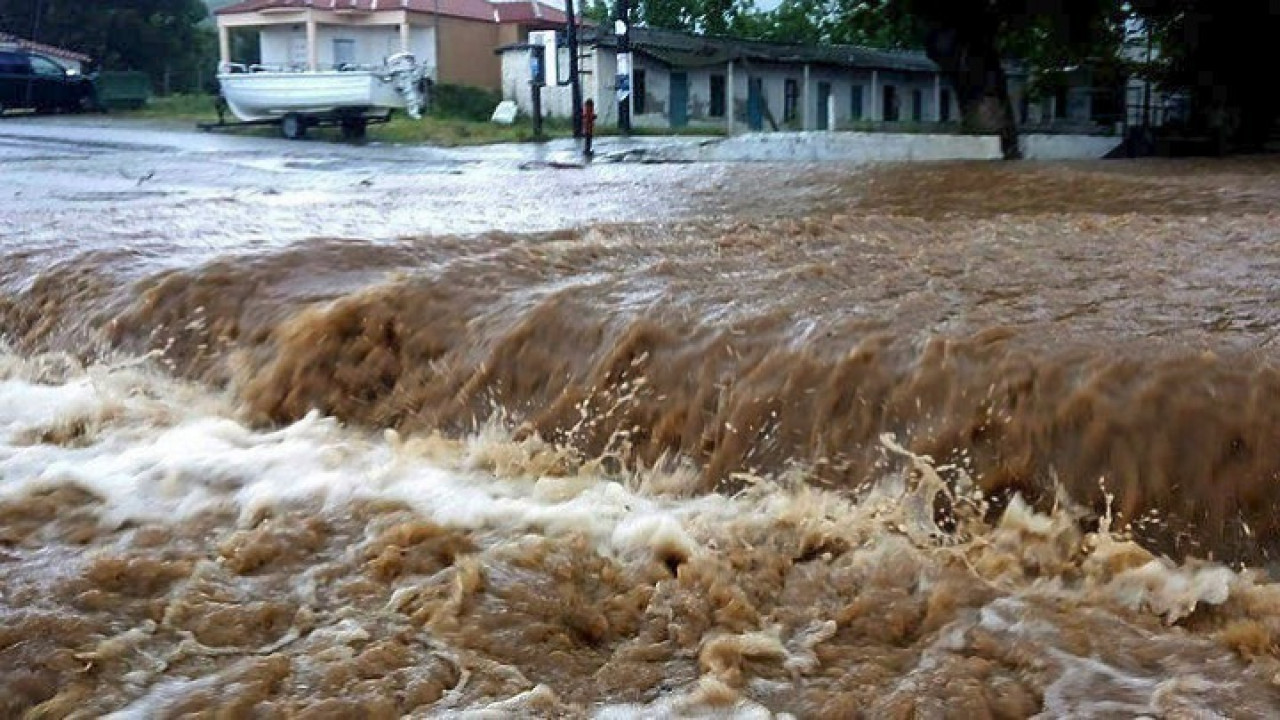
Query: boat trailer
294	125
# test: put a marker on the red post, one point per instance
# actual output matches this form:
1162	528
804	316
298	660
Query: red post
588	124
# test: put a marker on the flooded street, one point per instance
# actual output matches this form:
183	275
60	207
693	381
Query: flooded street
307	430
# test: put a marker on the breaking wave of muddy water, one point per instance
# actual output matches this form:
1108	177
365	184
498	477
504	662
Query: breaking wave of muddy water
799	467
162	557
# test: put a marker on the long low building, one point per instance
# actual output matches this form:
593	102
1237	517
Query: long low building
685	80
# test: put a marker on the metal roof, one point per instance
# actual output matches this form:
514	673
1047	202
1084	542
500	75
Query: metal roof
65	54
679	49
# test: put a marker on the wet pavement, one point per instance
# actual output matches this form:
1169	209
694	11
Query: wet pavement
136	180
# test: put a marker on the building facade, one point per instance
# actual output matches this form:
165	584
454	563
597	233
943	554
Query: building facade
682	80
454	39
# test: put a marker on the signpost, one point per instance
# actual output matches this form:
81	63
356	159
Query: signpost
538	78
544	68
543	71
622	28
575	84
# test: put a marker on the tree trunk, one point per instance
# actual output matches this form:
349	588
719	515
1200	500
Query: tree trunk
969	56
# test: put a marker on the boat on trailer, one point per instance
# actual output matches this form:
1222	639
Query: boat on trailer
350	96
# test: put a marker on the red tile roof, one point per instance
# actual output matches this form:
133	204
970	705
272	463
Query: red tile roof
529	12
8	39
521	11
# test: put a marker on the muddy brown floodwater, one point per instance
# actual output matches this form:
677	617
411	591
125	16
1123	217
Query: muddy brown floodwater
955	440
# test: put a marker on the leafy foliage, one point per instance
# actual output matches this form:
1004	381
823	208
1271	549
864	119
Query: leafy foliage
708	17
155	36
462	102
1215	52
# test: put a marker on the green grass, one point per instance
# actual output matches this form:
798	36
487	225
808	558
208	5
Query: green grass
174	107
430	130
453	132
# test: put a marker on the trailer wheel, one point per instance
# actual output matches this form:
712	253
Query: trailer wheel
293	126
354	128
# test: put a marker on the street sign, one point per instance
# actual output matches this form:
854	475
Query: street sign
623	80
547	39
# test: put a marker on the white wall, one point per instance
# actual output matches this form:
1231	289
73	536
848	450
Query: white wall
881	147
603	86
599	86
657	92
557	101
1067	147
845	147
372	44
273	44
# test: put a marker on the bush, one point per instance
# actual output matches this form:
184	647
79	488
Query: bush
463	102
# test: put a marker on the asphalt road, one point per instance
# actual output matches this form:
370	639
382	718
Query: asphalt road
83	182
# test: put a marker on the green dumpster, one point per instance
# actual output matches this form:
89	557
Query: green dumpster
123	89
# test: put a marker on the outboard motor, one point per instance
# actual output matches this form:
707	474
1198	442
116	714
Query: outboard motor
406	75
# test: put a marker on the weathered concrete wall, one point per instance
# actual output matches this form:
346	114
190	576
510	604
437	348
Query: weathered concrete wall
557	101
860	147
1067	147
849	147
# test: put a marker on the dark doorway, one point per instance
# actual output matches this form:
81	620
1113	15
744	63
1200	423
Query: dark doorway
639	92
790	100
824	97
755	103
716	108
890	103
678	94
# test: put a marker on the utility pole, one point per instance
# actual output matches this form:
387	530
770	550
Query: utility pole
435	61
35	37
537	78
1146	84
622	28
35	21
575	83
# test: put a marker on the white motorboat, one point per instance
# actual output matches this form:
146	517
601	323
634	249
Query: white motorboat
296	98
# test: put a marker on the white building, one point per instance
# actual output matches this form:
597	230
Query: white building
455	39
684	80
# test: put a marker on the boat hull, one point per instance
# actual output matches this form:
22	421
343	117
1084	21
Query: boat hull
267	95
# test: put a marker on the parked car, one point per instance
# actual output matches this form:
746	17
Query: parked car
35	81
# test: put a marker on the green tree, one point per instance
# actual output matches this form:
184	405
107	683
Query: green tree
859	22
970	41
709	17
599	12
794	21
1216	52
163	38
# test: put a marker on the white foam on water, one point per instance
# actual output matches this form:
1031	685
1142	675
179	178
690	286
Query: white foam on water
153	449
151	461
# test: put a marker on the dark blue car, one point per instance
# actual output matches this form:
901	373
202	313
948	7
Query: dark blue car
30	80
